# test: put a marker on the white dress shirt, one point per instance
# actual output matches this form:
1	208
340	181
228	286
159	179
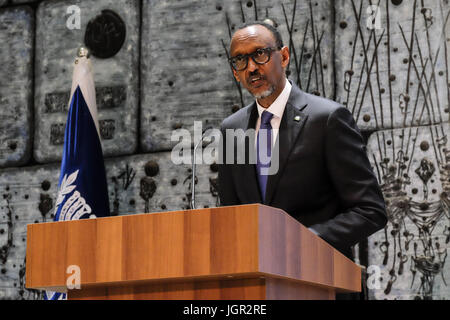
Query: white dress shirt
277	109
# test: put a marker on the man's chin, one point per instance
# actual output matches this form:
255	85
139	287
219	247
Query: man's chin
263	94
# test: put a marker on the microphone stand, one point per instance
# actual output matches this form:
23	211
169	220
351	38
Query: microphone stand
194	167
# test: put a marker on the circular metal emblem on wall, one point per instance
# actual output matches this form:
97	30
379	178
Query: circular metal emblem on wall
105	34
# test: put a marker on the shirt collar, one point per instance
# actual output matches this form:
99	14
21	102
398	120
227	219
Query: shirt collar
278	106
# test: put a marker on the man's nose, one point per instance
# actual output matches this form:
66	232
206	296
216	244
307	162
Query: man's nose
252	66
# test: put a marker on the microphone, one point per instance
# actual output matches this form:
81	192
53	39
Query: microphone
194	165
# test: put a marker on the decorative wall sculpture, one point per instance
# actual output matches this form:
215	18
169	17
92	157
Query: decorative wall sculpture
393	74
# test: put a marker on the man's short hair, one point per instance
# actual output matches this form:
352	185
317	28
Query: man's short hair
276	34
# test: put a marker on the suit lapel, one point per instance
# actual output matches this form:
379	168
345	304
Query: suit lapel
291	125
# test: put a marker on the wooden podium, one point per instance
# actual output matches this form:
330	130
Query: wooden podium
239	252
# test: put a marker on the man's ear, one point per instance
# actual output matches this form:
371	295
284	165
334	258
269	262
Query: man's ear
285	56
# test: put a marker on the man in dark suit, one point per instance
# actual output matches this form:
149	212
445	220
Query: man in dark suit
324	178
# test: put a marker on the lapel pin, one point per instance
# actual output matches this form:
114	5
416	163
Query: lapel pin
297	118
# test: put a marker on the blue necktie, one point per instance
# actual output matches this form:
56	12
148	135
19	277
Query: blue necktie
264	151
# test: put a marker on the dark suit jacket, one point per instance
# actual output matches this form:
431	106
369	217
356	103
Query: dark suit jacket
325	180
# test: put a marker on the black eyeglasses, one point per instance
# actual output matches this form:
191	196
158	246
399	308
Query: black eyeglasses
260	56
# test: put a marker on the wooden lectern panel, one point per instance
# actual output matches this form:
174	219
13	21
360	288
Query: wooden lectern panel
183	247
239	289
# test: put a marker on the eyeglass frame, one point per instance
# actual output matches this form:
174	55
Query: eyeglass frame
252	55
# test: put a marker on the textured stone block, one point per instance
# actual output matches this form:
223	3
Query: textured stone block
404	52
413	168
136	184
116	78
4	3
185	75
16	54
26	196
22	1
151	183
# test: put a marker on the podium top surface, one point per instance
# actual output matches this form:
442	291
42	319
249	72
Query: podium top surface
225	242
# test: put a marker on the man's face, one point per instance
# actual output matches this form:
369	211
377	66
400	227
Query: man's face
263	81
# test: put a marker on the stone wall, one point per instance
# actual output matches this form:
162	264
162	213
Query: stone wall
160	65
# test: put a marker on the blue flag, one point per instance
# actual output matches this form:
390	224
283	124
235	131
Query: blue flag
83	191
